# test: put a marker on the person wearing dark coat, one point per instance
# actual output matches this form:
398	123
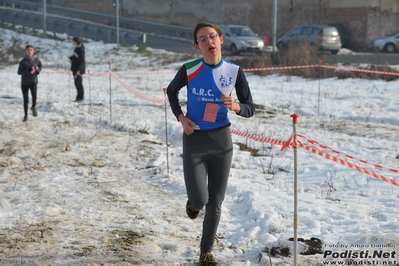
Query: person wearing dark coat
29	67
78	67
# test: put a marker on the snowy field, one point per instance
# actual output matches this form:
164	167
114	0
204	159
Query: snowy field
101	183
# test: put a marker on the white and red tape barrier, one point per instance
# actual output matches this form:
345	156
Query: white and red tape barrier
290	143
313	146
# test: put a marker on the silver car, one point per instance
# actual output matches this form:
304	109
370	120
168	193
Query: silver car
388	44
239	38
322	37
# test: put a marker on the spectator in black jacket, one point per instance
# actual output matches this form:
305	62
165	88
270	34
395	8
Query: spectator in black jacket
29	68
78	67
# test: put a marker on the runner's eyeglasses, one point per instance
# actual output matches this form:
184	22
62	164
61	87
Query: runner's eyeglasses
203	39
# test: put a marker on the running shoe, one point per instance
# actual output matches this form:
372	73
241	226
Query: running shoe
191	212
207	259
34	112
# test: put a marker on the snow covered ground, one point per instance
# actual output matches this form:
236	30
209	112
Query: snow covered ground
97	184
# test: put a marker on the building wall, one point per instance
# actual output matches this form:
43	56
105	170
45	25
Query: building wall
364	19
365	23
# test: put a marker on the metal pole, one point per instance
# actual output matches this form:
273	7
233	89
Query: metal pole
166	132
69	86
121	10
319	11
274	24
88	71
44	16
171	11
110	94
318	101
117	21
294	122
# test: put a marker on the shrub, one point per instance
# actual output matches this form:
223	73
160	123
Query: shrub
306	56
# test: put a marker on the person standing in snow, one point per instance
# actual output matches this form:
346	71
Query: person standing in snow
29	67
207	143
78	67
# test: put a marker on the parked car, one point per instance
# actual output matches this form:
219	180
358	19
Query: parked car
239	38
343	33
388	44
323	37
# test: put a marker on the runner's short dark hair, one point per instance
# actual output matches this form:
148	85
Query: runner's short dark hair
77	39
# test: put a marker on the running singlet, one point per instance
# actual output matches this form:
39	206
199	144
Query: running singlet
205	87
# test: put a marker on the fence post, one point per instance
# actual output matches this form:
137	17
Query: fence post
88	71
69	84
318	102
166	132
294	122
110	94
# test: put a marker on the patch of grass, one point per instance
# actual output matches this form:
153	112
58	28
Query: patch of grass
343	74
143	50
244	147
144	129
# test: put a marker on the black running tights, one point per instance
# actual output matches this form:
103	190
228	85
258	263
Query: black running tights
25	93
